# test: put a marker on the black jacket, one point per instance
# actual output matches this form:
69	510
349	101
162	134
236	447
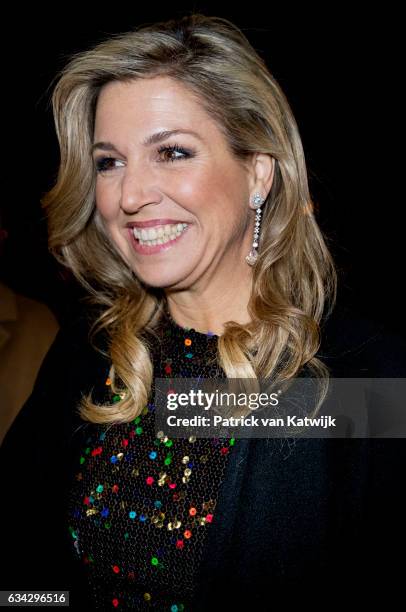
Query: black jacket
317	521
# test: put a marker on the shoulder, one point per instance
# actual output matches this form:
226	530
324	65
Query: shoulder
35	314
71	366
73	343
354	345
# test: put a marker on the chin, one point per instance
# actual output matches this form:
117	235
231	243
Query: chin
160	279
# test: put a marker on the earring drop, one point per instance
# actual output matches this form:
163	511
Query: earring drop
257	202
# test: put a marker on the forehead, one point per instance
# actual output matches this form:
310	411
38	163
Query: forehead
150	102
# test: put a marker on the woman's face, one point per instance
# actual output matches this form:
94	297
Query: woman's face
187	188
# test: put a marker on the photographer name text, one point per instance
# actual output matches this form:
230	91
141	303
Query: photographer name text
250	421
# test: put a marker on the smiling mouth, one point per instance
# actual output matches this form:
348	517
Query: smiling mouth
158	235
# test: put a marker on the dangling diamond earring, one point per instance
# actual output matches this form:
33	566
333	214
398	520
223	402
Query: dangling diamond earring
257	201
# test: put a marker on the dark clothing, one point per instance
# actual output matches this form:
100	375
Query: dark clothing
302	521
141	501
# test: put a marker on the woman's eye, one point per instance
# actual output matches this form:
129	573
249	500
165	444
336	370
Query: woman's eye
105	164
174	153
169	153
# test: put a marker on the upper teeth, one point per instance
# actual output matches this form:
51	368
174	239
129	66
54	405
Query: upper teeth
165	232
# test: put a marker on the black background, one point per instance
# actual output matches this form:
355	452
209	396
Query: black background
340	71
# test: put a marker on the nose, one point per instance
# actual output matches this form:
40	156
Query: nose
138	188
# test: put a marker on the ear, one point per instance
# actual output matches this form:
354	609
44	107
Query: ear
262	173
265	170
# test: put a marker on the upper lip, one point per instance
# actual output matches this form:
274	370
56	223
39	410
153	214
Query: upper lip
153	222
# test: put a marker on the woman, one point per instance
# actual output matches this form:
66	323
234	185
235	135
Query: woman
182	205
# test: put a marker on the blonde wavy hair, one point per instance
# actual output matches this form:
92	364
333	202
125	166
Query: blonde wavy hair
294	280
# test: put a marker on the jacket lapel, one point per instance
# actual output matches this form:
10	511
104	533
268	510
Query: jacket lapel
220	533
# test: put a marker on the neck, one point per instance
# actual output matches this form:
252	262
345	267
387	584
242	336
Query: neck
207	310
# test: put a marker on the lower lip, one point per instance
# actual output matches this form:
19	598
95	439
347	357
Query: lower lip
144	249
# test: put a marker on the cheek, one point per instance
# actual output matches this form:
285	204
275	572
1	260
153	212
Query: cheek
226	190
105	202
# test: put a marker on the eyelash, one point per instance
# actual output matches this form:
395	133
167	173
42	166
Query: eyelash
187	153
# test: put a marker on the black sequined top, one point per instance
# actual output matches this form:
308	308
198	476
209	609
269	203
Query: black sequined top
140	502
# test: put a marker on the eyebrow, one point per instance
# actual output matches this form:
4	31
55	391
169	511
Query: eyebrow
150	140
